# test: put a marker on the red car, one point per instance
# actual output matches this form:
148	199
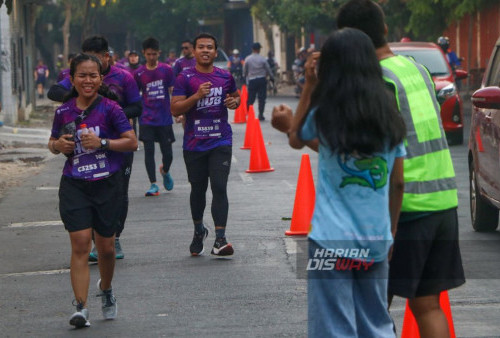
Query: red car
484	149
432	57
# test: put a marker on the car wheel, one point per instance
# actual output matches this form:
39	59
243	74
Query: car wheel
484	216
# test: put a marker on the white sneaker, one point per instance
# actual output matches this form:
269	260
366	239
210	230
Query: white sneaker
80	318
109	306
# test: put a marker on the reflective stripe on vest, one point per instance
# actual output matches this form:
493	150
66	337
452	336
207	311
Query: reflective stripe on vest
428	169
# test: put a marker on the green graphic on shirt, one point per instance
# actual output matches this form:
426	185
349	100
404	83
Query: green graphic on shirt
369	172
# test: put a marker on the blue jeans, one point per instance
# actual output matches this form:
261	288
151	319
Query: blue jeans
348	303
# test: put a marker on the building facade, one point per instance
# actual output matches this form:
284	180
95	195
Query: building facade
17	61
473	38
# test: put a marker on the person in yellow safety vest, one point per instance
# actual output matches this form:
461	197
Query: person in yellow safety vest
426	256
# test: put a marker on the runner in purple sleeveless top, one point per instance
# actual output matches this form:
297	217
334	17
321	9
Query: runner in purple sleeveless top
92	179
203	95
155	79
187	60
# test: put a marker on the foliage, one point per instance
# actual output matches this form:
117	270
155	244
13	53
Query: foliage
169	21
419	19
293	15
429	18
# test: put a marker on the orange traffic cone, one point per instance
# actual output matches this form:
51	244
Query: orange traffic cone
244	99
479	141
239	115
244	95
259	161
304	200
444	301
410	328
247	144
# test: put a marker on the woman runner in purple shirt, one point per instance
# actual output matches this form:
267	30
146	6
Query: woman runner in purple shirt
91	180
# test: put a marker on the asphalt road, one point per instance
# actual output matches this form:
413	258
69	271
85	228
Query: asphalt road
163	292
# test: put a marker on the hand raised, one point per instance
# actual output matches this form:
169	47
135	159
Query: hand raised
282	117
204	89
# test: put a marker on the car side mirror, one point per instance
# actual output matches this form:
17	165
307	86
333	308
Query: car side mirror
487	98
461	74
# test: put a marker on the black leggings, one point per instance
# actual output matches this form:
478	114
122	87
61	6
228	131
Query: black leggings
126	171
215	165
149	157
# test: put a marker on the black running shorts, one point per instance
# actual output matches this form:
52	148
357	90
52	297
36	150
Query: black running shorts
156	133
91	204
214	163
426	257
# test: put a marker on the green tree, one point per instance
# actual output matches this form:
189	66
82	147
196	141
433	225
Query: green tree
295	17
168	21
429	18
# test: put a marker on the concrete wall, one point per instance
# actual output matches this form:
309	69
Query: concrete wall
8	114
17	50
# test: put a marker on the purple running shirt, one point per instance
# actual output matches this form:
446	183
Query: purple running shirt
155	85
40	70
119	82
63	74
107	120
207	124
183	63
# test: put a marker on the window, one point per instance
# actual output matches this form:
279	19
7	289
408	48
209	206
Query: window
432	59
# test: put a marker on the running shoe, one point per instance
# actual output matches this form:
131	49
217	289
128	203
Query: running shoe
168	181
118	249
109	306
80	318
222	247
196	247
93	255
153	190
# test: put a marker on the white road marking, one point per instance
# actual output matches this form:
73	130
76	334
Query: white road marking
233	159
34	224
162	315
291	186
246	178
47	188
35	273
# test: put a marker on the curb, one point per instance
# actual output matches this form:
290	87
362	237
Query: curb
24	137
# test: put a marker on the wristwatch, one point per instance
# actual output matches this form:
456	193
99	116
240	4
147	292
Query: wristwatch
104	144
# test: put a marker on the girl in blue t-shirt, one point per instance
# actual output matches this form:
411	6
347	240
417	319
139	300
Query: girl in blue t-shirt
348	116
91	180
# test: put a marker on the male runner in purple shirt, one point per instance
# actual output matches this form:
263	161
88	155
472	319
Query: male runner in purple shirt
187	60
155	80
203	94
